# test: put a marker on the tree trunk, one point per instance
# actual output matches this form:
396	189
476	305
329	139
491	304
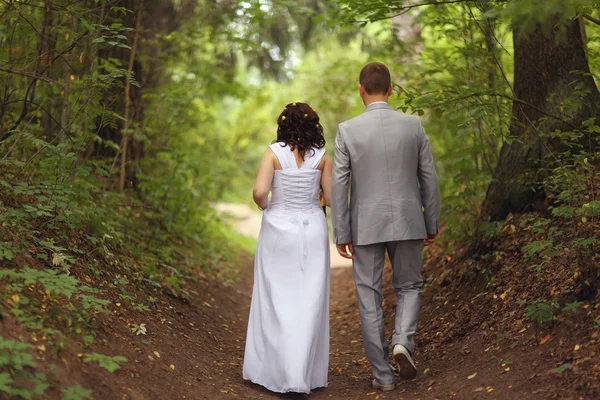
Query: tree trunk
545	61
127	116
64	116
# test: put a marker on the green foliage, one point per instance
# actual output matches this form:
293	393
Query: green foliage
76	393
66	302
572	307
141	307
6	251
16	363
540	246
56	283
541	312
562	368
527	13
111	364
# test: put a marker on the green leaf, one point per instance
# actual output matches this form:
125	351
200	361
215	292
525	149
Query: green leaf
6	382
573	306
111	364
76	393
562	368
85	23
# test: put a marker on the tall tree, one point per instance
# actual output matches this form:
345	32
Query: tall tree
550	69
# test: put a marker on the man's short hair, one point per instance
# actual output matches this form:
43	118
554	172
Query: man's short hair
375	78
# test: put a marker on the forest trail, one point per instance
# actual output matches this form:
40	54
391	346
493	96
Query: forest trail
197	348
473	341
470	367
469	345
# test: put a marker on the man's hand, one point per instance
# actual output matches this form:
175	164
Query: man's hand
345	250
430	238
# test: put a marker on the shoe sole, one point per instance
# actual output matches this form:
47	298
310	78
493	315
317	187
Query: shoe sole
385	388
407	369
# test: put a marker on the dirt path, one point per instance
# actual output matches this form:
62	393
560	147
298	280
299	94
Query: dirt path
446	374
473	366
194	349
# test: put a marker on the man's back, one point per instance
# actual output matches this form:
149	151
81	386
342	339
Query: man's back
383	158
392	177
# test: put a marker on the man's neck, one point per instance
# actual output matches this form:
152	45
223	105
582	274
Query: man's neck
375	99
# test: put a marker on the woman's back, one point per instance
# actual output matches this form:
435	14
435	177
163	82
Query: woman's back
296	188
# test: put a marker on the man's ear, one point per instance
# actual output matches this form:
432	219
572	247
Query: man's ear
390	90
361	89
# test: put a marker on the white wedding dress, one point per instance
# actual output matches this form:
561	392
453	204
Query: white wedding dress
287	345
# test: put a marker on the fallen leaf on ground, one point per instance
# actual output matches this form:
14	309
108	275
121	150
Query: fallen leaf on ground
472	376
545	339
172	367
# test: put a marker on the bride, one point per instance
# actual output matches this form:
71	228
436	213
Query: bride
287	344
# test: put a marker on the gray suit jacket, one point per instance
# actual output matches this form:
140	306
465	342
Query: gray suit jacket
384	157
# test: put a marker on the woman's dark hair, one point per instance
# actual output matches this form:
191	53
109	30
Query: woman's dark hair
298	126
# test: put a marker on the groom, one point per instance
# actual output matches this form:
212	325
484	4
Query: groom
383	156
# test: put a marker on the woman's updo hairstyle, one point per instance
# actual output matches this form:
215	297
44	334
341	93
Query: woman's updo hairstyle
298	126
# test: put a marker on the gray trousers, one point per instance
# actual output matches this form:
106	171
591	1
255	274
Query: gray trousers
407	264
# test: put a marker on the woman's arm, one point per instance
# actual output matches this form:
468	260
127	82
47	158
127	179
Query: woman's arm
264	178
326	179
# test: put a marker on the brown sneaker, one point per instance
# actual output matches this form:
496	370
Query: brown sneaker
405	362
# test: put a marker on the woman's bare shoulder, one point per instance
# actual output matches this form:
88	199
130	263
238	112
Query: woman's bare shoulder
325	161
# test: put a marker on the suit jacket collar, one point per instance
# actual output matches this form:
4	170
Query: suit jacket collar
378	106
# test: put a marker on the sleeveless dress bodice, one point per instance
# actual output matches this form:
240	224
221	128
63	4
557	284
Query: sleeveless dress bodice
296	189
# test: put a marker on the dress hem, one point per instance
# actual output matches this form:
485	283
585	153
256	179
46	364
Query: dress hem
291	390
